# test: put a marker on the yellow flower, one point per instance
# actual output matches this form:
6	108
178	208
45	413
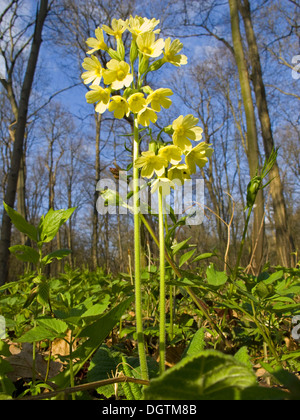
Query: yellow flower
150	163
119	106
96	43
171	53
138	25
117	74
99	95
159	98
117	28
94	70
165	184
198	156
179	173
148	46
171	153
136	102
145	116
185	130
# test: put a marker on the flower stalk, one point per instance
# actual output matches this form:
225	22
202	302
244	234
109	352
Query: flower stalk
162	284
137	257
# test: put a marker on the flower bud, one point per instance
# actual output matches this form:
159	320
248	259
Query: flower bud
156	65
169	129
133	51
143	65
114	54
120	49
147	90
252	190
153	146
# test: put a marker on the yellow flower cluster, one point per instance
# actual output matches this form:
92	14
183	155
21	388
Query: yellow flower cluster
183	130
124	93
118	74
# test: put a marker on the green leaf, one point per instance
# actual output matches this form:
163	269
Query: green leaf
47	329
287	379
209	375
37	334
204	256
261	290
30	298
25	253
56	325
215	278
178	247
104	363
185	257
51	222
128	390
21	224
43	293
196	345
274	277
4	349
243	356
6	385
97	309
279	308
261	393
96	333
59	255
133	391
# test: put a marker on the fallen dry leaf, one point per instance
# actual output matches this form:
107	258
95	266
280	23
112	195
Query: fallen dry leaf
21	362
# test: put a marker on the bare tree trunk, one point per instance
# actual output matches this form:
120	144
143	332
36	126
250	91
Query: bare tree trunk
21	193
19	139
252	143
69	230
284	241
21	207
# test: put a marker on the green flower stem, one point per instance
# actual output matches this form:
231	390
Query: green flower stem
236	268
162	285
199	303
261	327
72	382
137	258
172	310
242	243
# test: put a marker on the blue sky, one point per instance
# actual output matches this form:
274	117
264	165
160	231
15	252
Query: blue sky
57	70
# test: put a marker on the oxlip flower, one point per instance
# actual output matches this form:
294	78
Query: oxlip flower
117	74
150	163
138	25
94	70
159	99
171	153
137	102
185	130
96	43
165	183
179	173
198	156
118	106
118	26
171	53
148	46
99	95
145	116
